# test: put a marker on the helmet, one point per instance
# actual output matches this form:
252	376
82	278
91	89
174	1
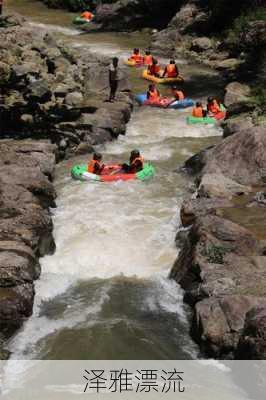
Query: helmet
97	156
210	99
174	87
135	153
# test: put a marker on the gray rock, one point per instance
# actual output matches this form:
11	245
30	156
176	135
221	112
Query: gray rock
39	91
229	64
74	99
84	148
236	92
236	124
5	72
217	185
252	344
201	44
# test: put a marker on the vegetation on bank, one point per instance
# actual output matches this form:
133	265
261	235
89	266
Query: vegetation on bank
72	5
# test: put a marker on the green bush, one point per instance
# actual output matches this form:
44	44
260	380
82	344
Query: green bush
241	23
215	254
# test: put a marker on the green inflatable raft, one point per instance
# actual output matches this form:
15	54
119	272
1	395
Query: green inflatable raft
111	173
206	120
80	21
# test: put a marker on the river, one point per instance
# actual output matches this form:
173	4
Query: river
105	293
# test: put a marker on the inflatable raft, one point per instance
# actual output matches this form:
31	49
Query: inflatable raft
132	63
146	75
164	103
111	173
80	21
206	120
195	120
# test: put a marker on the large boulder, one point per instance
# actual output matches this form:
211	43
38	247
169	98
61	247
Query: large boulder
26	194
132	15
201	44
39	91
236	92
252	344
218	185
240	157
190	19
74	99
223	275
236	124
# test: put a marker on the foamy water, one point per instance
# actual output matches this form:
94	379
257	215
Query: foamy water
105	294
123	229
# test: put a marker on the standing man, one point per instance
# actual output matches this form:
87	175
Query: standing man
1	6
113	78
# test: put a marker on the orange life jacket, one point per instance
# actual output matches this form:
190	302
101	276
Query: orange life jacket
147	60
171	71
197	112
137	58
92	165
179	95
141	159
87	15
214	107
154	69
154	95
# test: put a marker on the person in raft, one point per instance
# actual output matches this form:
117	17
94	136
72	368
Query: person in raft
113	78
136	56
154	69
136	163
87	15
213	106
198	111
95	166
178	95
171	70
153	93
147	59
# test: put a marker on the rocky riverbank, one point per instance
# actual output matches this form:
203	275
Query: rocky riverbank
222	264
49	90
52	106
26	194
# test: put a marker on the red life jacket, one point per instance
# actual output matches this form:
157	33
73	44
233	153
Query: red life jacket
171	71
214	107
154	95
86	15
137	58
154	69
179	95
197	112
92	165
147	60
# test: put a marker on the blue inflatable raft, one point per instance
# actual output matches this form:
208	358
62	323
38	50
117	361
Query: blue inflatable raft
142	99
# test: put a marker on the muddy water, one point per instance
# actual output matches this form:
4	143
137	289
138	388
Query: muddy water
105	293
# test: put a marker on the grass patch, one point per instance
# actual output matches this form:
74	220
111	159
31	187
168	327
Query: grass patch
215	254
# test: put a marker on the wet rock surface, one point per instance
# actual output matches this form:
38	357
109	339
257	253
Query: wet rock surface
48	89
221	264
26	193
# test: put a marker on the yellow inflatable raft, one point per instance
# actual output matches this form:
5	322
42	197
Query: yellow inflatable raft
146	75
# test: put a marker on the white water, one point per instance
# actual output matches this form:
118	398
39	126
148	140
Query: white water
109	230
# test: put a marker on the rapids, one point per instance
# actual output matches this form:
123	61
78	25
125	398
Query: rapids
105	294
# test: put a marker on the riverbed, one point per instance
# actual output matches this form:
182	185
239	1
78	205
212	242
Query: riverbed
105	293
